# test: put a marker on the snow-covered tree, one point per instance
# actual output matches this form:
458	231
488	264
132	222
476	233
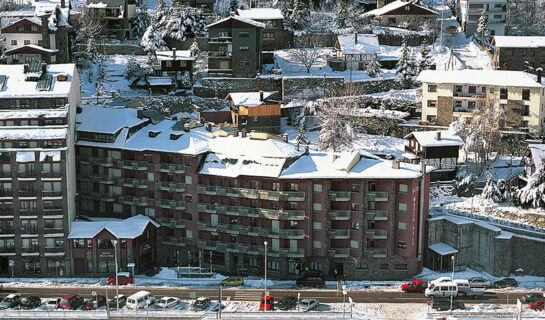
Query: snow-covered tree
161	12
335	133
465	186
182	23
91	28
373	67
141	21
425	61
300	15
301	134
194	50
342	13
406	66
482	27
308	57
525	18
494	191
234	5
135	72
152	42
533	194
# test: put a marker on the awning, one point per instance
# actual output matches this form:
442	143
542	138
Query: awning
442	249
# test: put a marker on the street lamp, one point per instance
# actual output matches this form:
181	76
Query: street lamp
344	299
452	277
265	243
116	278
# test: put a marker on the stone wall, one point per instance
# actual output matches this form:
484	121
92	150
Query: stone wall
444	110
377	85
310	87
221	87
110	49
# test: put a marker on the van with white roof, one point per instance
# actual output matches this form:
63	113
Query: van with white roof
442	289
140	300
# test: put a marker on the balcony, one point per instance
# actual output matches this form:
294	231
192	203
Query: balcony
54	249
287	252
269	195
377	196
377	215
53	229
170	167
103	162
292	196
206	207
7	250
53	211
171	204
30	250
219	54
172	222
132	164
139	201
476	95
97	179
339	234
292	234
51	193
108	197
57	175
283	214
27	211
206	226
339	214
249	193
377	234
206	244
378	252
133	183
5	174
170	186
26	174
339	196
173	241
338	252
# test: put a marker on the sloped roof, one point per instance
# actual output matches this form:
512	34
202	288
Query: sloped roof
538	154
249	99
518	42
129	228
106	120
429	138
261	13
106	3
32	47
502	78
240	19
6	22
366	44
394	6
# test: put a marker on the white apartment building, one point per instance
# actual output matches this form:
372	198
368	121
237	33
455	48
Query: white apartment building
449	96
469	12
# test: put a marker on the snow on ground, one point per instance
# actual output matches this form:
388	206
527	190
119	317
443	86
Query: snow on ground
409	94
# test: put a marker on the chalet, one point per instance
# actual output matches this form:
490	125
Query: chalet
354	51
518	53
439	149
176	65
533	158
207	6
117	15
275	37
255	111
404	14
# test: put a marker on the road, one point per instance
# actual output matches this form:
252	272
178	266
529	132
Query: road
236	294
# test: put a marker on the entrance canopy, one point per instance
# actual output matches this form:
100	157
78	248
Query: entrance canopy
442	249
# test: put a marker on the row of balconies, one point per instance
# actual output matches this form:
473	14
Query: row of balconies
171	204
170	186
139	201
174	241
172	222
280	214
250	249
251	193
238	229
346	214
134	164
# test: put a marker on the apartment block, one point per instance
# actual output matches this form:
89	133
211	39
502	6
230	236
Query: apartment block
470	11
449	96
518	53
37	115
220	193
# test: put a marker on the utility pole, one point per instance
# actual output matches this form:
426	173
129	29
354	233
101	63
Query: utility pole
116	278
265	309
442	16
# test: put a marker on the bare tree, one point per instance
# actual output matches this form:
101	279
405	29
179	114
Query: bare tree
308	57
92	27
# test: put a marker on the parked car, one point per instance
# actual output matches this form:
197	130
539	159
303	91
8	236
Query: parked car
71	302
167	302
113	301
532	297
315	280
308	304
444	304
124	278
202	303
478	282
537	305
53	303
30	303
286	303
441	289
140	300
418	285
506	282
441	279
233	281
10	301
266	302
94	303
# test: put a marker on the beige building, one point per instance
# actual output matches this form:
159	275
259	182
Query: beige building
449	96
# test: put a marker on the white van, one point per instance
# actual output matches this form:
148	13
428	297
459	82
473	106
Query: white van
463	286
442	289
140	300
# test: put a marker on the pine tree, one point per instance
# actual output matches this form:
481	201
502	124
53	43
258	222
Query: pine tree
494	191
533	194
234	5
300	16
406	66
373	67
342	12
424	63
161	12
141	22
182	23
152	42
301	134
482	26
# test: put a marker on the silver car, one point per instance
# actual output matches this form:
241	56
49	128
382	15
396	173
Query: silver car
478	282
308	304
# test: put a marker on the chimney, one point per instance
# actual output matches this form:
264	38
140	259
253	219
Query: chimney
44	67
438	135
174	53
395	164
423	167
46	41
285	137
209	127
539	72
140	113
186	127
244	133
261	96
235	133
63	4
355	38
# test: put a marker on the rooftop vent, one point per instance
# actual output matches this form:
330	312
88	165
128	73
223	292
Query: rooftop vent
175	136
438	135
153	134
395	164
45	82
62	77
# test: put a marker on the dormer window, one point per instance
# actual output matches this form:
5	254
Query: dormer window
153	134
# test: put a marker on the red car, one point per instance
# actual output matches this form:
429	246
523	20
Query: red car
418	285
269	302
71	302
538	305
124	278
95	302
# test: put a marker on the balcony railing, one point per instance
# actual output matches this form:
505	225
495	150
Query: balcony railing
377	196
339	252
51	175
292	196
174	241
54	249
378	252
287	252
339	214
104	162
251	193
171	204
377	234
377	215
339	196
339	234
172	222
30	250
283	214
132	164
99	196
139	201
133	183
280	214
98	179
170	186
170	167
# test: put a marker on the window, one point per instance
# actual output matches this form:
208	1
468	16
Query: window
40	43
243	49
13	42
371	205
402	206
317	188
243	34
525	94
491	90
402	226
524	124
401	245
355	188
525	110
372	187
471	104
294	187
317	206
268	35
317	244
355	225
407	8
271	23
504	93
354	244
26	42
272	265
243	63
432	88
391	20
276	186
223	34
362	266
403	188
472	89
383	266
483	89
400	266
432	103
457	104
354	206
316	225
189	234
315	266
252	262
458	88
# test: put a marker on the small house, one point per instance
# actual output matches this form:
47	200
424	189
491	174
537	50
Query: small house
533	158
255	111
275	37
403	14
176	64
354	51
116	14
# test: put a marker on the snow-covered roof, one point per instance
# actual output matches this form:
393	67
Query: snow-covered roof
32	133
50	155
538	154
442	249
169	55
32	114
106	120
17	87
31	46
160	81
129	228
500	78
240	19
6	22
429	138
261	13
518	42
320	165
25	156
365	44
249	99
105	3
394	6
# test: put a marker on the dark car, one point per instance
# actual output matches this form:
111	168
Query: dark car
418	285
95	302
286	303
122	301
506	282
31	303
311	279
10	301
71	302
201	304
444	304
532	297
